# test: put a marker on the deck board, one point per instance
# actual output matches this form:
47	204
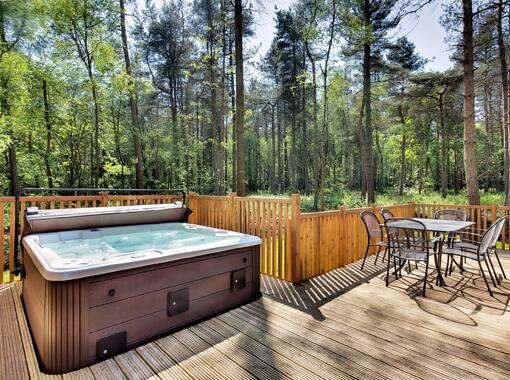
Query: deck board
341	325
12	356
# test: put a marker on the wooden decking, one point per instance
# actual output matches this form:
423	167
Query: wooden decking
344	324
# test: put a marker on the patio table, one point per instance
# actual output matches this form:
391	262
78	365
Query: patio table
439	226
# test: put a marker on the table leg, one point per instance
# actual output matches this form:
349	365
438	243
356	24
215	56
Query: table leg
438	259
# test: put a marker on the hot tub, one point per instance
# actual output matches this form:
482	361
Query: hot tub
92	293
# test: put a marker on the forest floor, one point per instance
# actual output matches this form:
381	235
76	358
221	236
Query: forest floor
333	199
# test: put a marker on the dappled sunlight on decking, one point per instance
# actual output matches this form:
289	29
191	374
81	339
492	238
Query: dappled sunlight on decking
343	324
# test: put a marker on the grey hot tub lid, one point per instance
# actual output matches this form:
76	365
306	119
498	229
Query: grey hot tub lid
38	221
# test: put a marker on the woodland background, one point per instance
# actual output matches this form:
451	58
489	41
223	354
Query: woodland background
100	93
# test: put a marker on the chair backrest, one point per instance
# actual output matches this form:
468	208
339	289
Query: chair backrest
406	232
497	231
372	225
450	214
486	240
387	214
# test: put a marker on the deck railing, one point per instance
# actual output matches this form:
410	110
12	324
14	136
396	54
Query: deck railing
295	246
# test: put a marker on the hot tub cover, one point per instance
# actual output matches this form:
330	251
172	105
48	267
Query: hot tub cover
37	221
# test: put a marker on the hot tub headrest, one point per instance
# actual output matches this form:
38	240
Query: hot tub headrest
37	221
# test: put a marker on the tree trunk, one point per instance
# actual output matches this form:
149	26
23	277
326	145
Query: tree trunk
402	165
367	86
506	118
316	137
469	106
368	163
47	122
132	101
238	20
13	164
304	131
488	128
444	146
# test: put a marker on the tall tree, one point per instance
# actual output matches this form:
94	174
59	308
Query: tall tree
506	102
469	105
238	21
132	99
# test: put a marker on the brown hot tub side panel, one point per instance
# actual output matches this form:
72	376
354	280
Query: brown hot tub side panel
71	319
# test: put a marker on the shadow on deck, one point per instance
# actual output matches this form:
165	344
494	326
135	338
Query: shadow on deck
343	324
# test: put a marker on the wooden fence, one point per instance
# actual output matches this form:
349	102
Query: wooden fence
332	239
295	246
269	218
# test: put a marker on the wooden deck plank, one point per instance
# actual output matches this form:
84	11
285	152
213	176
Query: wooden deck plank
82	374
389	363
272	358
134	367
192	364
214	358
413	338
245	359
107	370
12	358
457	323
345	360
298	356
446	364
161	363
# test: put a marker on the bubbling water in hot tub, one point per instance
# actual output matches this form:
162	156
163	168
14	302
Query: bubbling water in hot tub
106	243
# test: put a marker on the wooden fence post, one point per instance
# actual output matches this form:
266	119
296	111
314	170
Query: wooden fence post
342	238
231	213
296	259
192	205
494	212
104	198
412	207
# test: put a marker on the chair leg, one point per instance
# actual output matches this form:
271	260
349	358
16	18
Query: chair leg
365	258
425	278
384	254
500	266
451	265
484	278
388	271
489	270
395	267
447	265
377	255
493	269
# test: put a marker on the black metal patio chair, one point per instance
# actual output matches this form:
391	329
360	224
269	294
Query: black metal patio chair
416	249
451	214
480	254
470	244
375	235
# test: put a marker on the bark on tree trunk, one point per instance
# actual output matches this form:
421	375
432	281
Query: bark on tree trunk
402	165
135	130
469	106
506	126
444	147
368	163
316	137
304	130
238	20
47	122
